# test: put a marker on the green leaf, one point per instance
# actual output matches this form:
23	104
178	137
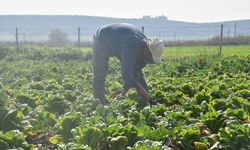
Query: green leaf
241	114
119	143
13	139
200	146
55	140
90	136
9	120
3	144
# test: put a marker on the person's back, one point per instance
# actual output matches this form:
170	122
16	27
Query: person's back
114	35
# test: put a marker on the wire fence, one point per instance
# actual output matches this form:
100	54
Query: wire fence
172	35
42	34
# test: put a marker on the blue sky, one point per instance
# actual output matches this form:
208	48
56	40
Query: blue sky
183	10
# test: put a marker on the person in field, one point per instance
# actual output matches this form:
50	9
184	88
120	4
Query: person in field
133	49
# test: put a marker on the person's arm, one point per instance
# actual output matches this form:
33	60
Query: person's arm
129	55
140	78
139	88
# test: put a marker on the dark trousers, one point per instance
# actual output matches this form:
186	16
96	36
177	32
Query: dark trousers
100	60
100	67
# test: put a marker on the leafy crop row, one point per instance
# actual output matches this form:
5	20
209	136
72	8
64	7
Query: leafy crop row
46	102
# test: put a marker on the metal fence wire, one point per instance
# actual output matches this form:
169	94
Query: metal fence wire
172	35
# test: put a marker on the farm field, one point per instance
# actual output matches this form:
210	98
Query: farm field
203	102
185	51
177	52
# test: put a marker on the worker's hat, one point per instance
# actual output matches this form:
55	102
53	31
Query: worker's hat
156	47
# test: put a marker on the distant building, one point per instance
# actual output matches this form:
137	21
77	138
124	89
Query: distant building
162	17
147	17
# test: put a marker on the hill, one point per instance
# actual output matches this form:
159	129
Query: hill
37	27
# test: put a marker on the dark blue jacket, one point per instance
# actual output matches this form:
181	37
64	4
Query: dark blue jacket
126	42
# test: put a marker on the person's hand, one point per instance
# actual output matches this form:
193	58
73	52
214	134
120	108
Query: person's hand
120	97
144	94
148	98
115	93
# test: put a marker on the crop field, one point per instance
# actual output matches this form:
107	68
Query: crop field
203	101
186	51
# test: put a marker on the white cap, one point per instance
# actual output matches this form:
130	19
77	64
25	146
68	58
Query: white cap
156	47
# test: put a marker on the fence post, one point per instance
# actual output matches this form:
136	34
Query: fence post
24	40
221	40
235	28
79	34
142	29
17	43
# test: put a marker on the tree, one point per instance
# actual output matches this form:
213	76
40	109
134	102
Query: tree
58	38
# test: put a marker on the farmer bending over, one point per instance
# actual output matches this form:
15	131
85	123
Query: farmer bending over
133	49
